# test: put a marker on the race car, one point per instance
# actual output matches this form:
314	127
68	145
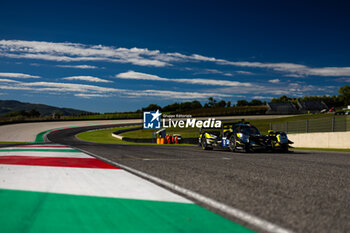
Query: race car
242	136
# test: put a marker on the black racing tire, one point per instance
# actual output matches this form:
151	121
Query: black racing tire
204	144
285	149
232	144
247	150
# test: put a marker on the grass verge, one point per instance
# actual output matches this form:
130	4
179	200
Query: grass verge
105	136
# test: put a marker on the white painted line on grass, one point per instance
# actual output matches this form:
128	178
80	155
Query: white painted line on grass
117	136
237	213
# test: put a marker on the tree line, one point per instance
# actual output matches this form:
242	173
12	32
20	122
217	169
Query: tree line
23	113
194	105
342	99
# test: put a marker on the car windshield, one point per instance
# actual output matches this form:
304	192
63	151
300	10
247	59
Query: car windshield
247	130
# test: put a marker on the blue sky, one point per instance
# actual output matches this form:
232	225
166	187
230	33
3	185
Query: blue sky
107	56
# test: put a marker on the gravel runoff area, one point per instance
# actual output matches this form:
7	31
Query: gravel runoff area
26	132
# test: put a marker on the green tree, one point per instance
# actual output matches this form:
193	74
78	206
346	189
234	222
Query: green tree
34	113
152	107
221	104
196	104
171	107
282	99
211	102
344	94
255	102
23	113
242	103
185	106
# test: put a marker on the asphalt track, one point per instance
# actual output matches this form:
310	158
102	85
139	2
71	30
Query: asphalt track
300	191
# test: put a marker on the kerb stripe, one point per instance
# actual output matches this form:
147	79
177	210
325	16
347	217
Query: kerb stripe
56	162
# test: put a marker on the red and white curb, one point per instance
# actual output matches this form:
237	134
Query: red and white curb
44	186
73	173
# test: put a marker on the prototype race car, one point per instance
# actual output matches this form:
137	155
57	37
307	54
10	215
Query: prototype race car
242	136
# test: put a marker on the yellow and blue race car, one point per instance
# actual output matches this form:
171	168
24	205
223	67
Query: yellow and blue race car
242	136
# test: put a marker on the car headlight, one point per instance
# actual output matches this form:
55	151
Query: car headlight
243	137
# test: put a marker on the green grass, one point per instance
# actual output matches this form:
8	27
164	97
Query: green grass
105	136
323	149
147	133
262	124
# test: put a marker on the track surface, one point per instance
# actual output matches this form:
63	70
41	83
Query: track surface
301	191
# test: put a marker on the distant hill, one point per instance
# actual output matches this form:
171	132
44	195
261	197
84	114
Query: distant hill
8	106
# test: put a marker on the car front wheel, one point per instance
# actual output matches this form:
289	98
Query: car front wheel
204	144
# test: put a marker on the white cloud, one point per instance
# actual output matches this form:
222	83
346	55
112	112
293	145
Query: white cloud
294	75
142	76
90	91
17	75
177	94
213	71
71	87
258	97
88	79
244	72
329	71
8	80
88	96
70	52
293	70
291	89
274	80
78	66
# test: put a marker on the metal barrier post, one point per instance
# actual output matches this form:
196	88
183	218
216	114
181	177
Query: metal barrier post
307	126
333	123
287	127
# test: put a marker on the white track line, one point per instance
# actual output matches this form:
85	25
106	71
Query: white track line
237	213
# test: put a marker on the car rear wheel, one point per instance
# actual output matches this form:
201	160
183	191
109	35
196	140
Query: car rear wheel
247	149
285	149
232	144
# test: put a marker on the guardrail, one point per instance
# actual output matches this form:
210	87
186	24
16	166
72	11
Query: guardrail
327	124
